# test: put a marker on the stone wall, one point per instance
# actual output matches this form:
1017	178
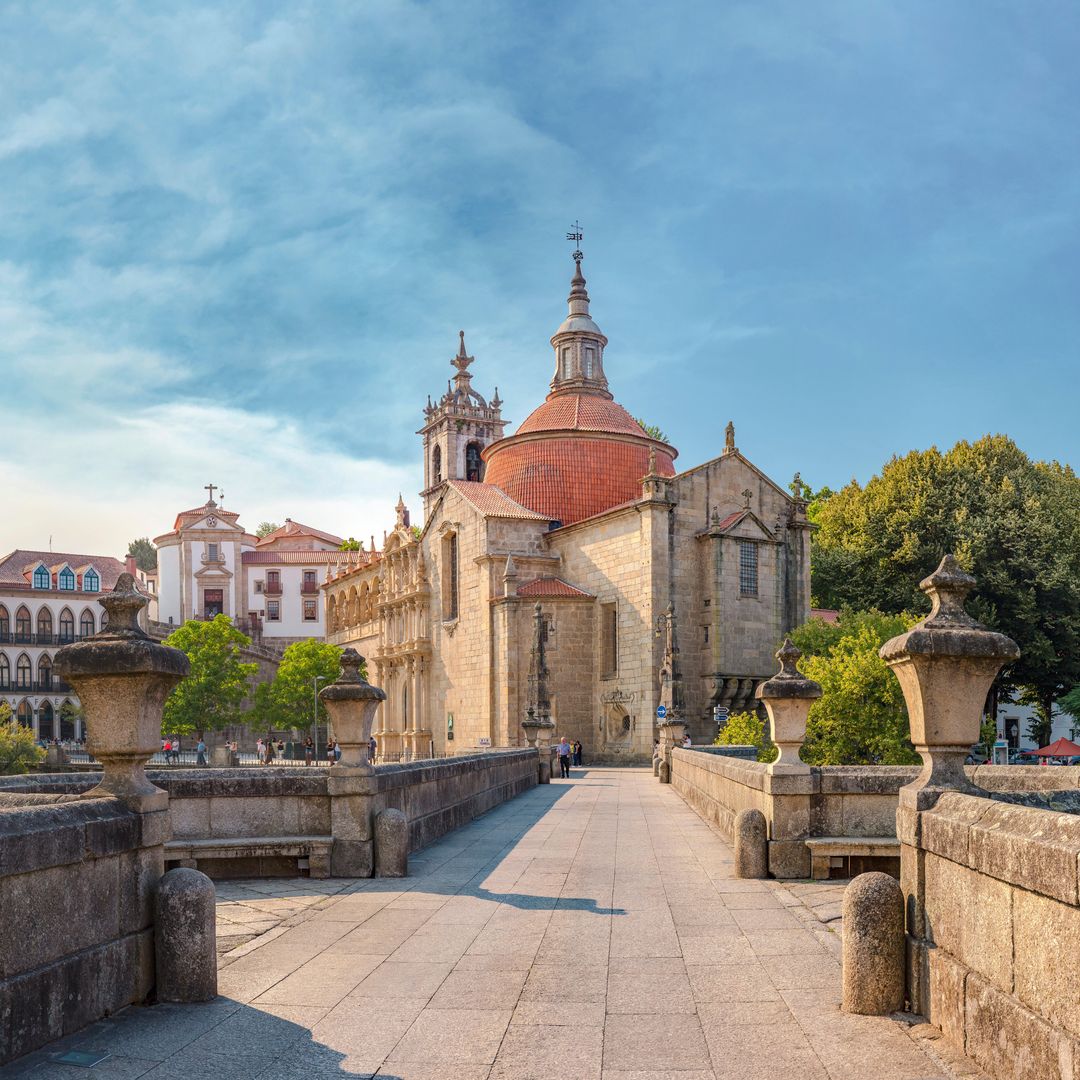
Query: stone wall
77	881
995	933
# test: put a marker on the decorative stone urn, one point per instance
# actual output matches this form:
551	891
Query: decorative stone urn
945	665
351	702
122	677
787	698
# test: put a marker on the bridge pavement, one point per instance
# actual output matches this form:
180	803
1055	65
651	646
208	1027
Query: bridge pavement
591	929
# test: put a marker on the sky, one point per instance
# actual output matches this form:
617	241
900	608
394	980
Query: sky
237	241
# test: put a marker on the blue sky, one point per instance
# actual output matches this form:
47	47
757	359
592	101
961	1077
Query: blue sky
237	241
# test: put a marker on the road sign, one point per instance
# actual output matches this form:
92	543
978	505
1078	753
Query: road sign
720	713
661	712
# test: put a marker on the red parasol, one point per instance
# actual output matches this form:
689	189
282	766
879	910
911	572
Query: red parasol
1061	748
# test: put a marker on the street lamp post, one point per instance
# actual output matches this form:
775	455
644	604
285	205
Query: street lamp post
315	680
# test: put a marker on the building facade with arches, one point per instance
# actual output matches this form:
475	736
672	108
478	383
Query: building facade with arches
583	512
47	600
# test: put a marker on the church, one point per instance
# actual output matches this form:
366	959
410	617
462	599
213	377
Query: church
579	519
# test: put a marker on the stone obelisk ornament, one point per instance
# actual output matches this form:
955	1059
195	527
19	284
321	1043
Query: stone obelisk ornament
787	698
351	702
122	677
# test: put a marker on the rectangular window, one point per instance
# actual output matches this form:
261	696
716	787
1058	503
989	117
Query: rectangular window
309	577
450	577
705	629
609	640
212	552
258	586
273	611
549	631
311	613
587	364
748	567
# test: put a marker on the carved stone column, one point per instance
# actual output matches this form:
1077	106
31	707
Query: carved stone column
351	703
945	665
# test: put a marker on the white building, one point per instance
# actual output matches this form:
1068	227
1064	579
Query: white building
209	565
48	599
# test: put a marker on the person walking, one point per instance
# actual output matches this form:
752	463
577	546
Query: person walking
270	752
167	749
577	752
309	751
564	758
260	754
372	748
330	755
200	752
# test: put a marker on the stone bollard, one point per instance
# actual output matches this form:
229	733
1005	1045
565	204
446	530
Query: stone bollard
751	844
671	735
391	844
351	702
663	771
185	937
873	946
656	765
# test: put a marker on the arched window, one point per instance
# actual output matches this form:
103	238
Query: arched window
86	624
25	714
44	626
474	465
45	673
587	362
23	626
24	672
5	672
45	721
436	465
91	582
5	623
67	625
66	579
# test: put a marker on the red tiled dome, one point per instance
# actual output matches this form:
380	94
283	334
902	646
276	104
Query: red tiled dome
575	456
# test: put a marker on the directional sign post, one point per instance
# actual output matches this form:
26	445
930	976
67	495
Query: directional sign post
661	712
720	714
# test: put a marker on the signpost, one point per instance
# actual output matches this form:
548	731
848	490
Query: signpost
661	712
720	715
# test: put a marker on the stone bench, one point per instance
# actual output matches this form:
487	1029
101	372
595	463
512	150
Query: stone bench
829	852
253	856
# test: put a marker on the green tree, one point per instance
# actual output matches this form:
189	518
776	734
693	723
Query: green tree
210	697
288	701
352	544
1070	705
748	729
860	719
18	751
652	430
1012	522
265	528
145	553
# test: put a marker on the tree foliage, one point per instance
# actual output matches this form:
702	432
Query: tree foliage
652	430
1012	522
748	729
265	528
18	751
288	701
860	719
352	544
211	696
145	553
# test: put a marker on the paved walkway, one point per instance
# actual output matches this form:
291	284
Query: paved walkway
591	929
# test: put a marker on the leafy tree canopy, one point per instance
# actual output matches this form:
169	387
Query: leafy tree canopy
145	553
652	430
210	697
352	544
288	701
1012	522
860	719
18	751
265	528
748	729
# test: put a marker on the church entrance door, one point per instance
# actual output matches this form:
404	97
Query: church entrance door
213	602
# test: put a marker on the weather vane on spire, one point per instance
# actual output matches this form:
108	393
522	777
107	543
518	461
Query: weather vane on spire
575	237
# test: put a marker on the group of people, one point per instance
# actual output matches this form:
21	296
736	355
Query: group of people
569	754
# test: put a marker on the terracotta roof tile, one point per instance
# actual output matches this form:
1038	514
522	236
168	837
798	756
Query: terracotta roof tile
493	502
552	586
297	558
294	528
581	412
17	568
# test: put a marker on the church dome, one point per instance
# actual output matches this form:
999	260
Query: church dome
580	452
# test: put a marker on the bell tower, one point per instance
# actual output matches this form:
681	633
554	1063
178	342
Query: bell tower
456	429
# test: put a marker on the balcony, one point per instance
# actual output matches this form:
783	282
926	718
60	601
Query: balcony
45	640
35	686
310	588
272	588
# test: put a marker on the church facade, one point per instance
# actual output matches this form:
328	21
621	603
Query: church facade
584	513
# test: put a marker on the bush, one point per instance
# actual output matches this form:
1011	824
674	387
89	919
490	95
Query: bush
18	751
748	729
